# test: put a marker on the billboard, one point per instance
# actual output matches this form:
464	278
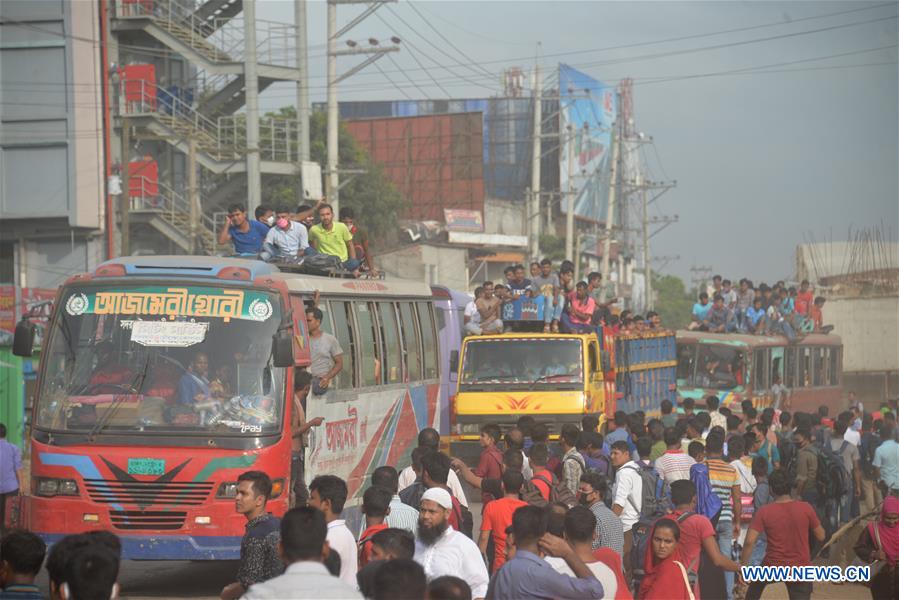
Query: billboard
591	107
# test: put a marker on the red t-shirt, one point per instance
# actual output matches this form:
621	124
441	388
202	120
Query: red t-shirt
496	519
787	525
490	466
803	302
540	485
365	543
693	530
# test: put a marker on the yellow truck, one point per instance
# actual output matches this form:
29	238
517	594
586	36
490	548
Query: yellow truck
557	378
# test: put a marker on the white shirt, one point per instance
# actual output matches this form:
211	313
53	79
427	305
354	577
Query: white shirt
454	554
853	437
407	478
718	420
342	541
304	579
628	493
672	466
471	311
601	571
526	470
285	243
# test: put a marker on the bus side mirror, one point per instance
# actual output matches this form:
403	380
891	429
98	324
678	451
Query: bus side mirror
23	341
454	361
282	350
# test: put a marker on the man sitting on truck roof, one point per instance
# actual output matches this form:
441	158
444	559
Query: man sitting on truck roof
580	311
472	316
489	307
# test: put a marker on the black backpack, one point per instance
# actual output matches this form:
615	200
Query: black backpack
787	449
642	530
466	520
832	479
870	443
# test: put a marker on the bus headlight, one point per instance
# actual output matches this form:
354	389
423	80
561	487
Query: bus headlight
227	490
46	486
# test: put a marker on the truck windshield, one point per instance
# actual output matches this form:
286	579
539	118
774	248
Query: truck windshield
538	362
194	360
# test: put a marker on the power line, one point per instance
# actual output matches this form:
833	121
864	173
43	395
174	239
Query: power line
409	79
444	38
387	77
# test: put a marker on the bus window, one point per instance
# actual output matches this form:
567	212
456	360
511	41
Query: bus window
343	331
369	362
805	367
760	379
392	368
834	370
777	366
720	367
819	355
326	318
410	341
686	362
790	368
428	340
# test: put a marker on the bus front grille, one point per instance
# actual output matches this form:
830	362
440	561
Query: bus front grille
140	519
147	493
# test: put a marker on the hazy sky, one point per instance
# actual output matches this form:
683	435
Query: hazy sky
763	160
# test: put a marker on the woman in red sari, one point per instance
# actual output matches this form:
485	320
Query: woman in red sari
666	575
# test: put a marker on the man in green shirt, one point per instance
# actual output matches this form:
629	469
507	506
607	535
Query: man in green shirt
333	238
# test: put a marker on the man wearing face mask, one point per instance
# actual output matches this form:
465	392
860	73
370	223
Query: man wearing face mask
609	533
286	240
265	215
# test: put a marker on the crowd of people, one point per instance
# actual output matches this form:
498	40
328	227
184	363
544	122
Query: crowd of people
283	235
568	306
773	310
667	508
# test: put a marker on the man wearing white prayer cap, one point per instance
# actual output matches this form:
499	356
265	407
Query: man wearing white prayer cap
442	550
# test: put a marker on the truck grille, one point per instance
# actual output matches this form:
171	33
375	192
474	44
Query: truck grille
146	493
140	519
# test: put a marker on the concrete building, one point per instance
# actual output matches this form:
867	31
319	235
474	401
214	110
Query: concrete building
860	280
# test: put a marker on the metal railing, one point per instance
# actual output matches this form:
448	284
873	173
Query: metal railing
222	40
277	137
156	196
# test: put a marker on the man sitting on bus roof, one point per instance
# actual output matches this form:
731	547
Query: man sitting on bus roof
287	239
247	236
719	319
334	238
700	311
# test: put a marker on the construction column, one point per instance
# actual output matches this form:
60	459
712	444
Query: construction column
533	213
251	81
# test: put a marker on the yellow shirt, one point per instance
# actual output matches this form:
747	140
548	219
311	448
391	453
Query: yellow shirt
331	242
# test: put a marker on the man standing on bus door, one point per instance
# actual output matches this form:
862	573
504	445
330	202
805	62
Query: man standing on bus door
302	382
325	353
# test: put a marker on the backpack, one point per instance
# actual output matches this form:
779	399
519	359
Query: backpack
558	492
832	479
787	449
642	530
707	502
655	497
321	264
464	518
869	445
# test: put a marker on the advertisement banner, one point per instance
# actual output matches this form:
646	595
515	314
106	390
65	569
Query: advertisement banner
7	314
590	106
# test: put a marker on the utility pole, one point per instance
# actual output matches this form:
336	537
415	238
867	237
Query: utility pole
610	213
251	83
193	196
302	83
647	264
569	208
332	181
125	202
536	151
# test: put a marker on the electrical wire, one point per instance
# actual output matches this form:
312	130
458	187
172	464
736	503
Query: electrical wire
444	38
393	83
409	79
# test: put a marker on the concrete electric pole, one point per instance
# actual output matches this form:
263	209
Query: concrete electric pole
332	180
534	225
302	83
251	83
570	194
610	213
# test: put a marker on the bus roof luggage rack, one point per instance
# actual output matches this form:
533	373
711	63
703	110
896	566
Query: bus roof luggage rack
321	265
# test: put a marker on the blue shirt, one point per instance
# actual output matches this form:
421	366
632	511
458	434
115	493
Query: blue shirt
700	311
754	315
21	591
10	462
886	458
251	241
529	576
190	386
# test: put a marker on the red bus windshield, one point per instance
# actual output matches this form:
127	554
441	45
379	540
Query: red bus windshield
156	358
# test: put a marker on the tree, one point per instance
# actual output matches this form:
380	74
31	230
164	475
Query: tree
673	302
372	196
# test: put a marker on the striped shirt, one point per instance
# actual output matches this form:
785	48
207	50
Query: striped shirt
674	465
723	478
402	516
609	531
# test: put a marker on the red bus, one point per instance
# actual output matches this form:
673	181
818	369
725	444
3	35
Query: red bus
120	442
769	370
